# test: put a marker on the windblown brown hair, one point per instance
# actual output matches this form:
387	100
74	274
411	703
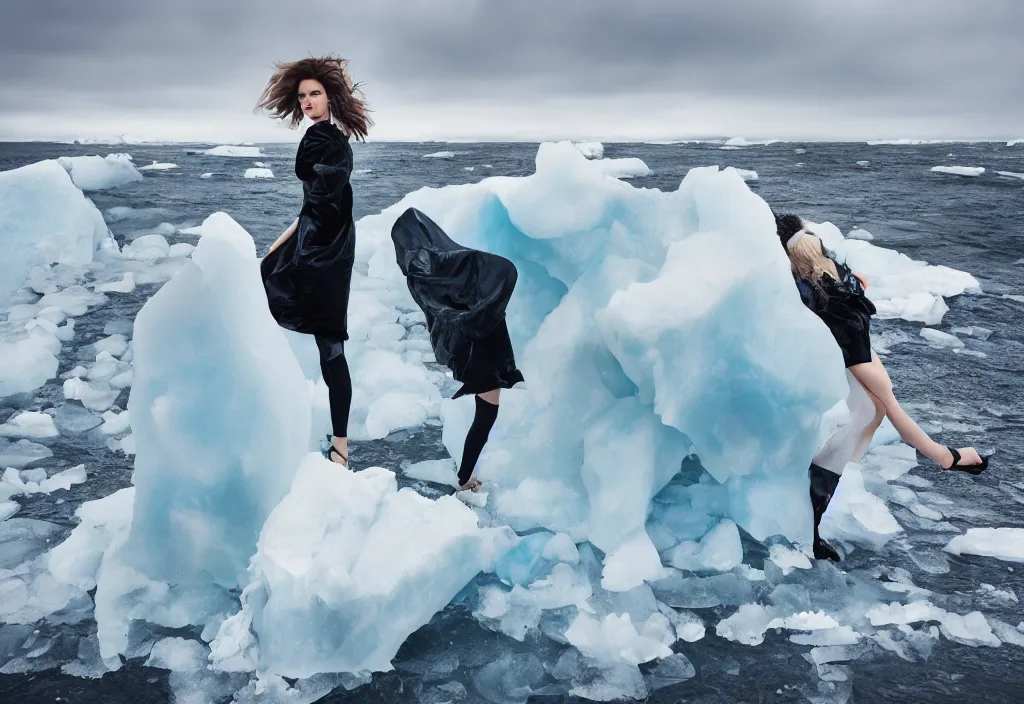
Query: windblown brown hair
281	96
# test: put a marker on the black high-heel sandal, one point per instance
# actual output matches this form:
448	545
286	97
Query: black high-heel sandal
332	448
974	469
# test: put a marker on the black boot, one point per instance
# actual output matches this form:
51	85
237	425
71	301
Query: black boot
823	485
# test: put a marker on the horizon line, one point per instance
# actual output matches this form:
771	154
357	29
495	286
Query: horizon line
880	141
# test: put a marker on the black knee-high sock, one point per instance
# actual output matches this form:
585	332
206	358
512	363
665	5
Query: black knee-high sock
823	485
483	421
339	387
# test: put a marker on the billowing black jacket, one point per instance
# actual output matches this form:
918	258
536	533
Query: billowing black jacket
308	278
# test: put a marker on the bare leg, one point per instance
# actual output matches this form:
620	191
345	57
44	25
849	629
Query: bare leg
875	380
491	396
851	440
864	441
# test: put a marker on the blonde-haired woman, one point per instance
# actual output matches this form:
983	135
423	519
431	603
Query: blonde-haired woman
837	296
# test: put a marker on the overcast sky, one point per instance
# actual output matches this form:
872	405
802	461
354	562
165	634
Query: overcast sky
523	69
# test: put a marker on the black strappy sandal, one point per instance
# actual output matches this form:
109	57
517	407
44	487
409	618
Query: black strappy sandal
332	448
974	469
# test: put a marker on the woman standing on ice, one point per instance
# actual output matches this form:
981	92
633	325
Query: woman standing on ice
837	296
307	272
463	294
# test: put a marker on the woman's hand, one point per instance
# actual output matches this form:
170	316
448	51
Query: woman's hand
284	237
863	280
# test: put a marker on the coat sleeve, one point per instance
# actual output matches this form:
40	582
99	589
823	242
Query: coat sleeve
320	154
324	163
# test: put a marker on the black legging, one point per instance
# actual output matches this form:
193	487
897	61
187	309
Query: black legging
334	368
483	421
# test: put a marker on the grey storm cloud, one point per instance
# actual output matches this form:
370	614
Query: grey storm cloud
913	56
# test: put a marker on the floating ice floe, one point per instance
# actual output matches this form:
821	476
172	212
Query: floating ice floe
22	453
973	331
1002	543
746	174
36	481
123	213
29	424
1010	174
440	155
147	247
158	166
899	286
259	173
959	170
937	338
94	173
125	285
626	167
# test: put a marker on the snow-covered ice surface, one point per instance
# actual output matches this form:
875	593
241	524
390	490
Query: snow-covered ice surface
905	618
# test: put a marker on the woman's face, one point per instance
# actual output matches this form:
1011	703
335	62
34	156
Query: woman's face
313	100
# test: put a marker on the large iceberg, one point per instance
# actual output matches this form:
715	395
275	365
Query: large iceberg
44	219
347	568
639	319
220	414
208	469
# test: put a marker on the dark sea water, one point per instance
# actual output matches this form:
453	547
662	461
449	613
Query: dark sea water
973	224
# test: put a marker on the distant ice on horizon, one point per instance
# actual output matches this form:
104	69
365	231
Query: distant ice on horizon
909	142
234	151
742	142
